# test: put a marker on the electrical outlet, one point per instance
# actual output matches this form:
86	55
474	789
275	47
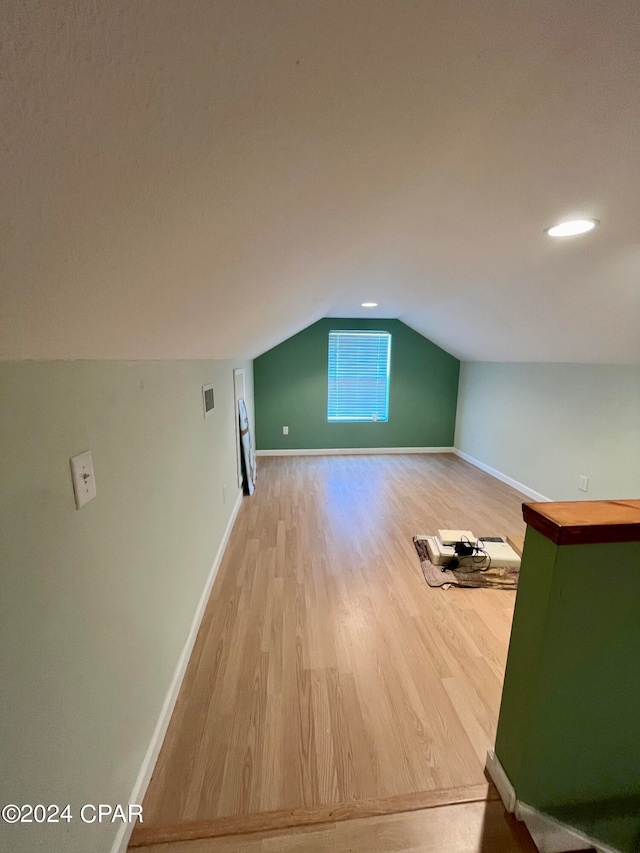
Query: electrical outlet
285	430
583	483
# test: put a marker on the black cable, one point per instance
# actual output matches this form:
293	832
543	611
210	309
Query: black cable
473	550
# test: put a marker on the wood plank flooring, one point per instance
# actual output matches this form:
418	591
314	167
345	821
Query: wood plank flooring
290	819
471	828
326	671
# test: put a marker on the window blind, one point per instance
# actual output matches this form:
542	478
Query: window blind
359	376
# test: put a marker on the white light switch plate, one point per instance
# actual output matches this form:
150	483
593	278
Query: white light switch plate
84	482
583	483
285	430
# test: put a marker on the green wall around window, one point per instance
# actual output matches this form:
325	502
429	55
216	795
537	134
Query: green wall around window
291	390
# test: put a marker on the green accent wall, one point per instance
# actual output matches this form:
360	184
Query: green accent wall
570	715
291	390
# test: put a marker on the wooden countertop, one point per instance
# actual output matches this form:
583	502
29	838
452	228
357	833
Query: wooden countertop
585	522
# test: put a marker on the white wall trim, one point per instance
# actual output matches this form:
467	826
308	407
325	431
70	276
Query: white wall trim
550	835
504	478
553	836
353	451
501	781
153	750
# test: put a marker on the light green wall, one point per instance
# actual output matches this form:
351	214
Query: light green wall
291	390
546	424
568	728
96	603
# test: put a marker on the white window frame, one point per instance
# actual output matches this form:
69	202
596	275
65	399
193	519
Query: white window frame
376	417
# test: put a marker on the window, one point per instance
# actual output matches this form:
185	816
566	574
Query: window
359	376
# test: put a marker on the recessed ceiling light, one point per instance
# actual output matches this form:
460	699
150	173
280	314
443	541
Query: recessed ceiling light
571	228
369	304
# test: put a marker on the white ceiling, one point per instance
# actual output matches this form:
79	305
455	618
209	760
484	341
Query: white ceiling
204	178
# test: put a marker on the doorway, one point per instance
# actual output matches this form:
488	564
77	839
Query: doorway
238	393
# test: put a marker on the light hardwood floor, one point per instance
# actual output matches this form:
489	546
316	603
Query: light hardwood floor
326	671
471	828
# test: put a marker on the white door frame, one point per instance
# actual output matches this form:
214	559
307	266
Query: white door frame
238	376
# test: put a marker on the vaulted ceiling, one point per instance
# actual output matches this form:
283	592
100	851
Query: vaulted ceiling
204	178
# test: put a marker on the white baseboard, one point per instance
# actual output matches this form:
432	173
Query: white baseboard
549	834
553	836
353	451
501	781
153	750
520	487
